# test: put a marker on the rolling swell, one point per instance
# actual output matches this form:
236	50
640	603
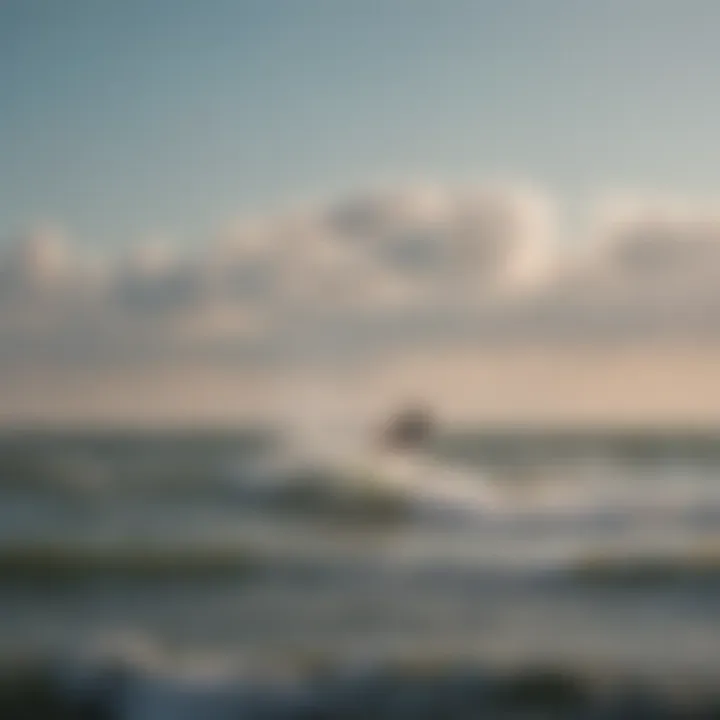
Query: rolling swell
116	689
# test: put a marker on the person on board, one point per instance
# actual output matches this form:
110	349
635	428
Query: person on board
410	429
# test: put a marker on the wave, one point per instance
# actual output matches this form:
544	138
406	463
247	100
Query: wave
371	488
333	473
402	689
65	561
699	564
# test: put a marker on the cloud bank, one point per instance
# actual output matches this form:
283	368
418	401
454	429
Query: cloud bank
373	273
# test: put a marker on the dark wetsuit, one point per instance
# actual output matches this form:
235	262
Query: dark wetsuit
409	429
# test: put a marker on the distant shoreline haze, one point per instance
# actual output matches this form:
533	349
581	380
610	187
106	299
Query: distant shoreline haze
643	385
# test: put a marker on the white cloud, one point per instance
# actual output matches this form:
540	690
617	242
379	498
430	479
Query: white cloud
466	241
375	270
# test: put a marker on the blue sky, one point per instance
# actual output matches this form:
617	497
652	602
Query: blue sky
124	119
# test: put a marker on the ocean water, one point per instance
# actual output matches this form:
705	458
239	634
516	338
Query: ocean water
233	550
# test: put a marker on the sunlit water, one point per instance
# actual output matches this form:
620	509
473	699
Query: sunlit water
473	562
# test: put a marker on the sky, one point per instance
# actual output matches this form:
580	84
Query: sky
127	120
519	197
